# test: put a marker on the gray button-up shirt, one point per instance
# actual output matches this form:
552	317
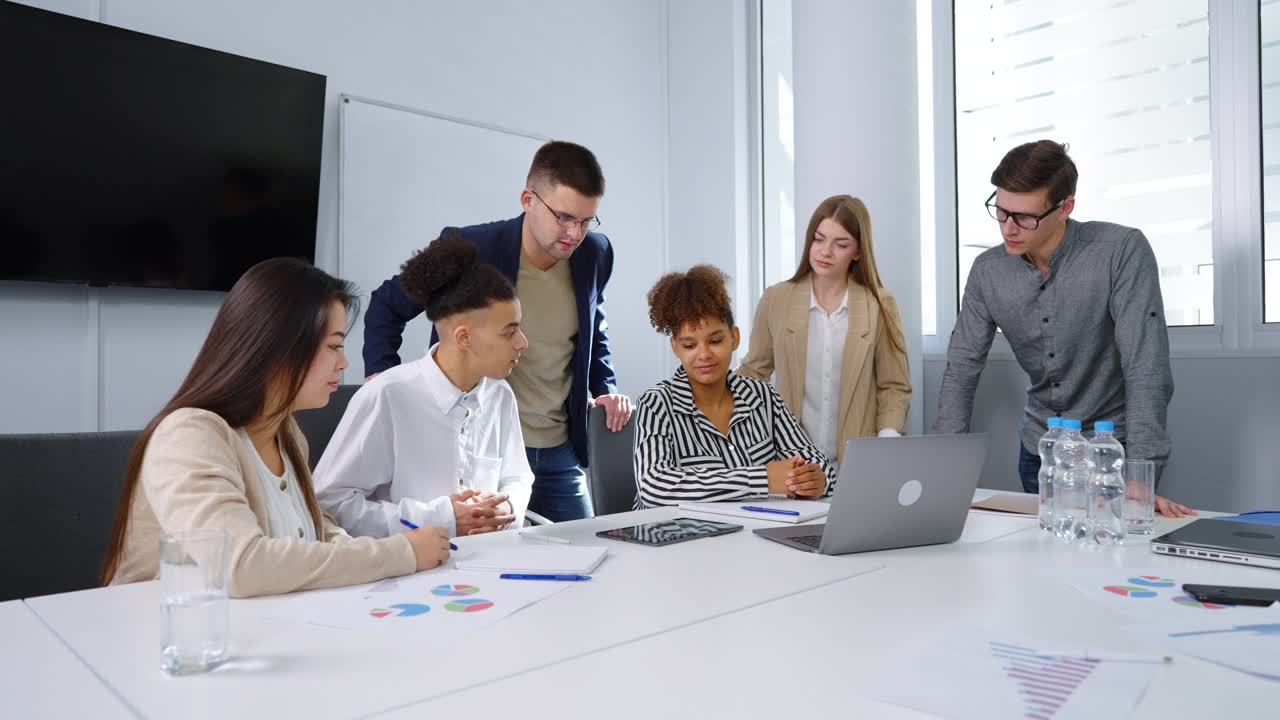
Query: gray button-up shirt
1091	336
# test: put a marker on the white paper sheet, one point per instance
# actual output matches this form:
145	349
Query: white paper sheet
533	558
444	604
1151	595
805	510
972	673
1241	637
1250	647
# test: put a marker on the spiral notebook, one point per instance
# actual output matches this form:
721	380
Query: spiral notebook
550	559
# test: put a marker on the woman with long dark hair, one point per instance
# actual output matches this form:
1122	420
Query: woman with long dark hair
226	453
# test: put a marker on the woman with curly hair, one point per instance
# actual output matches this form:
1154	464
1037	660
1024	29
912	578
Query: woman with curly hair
710	434
437	441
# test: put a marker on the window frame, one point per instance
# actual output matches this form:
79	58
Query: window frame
1235	103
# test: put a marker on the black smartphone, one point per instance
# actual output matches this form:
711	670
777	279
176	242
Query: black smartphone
669	532
1230	595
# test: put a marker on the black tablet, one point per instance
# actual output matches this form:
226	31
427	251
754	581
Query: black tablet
669	532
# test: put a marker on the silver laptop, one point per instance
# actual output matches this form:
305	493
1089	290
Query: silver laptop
895	493
1230	541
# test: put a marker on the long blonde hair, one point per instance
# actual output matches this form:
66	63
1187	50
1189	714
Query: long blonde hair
851	213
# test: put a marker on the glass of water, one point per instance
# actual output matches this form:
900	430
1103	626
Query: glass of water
1139	496
193	586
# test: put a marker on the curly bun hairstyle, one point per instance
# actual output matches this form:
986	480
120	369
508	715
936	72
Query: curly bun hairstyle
447	277
689	298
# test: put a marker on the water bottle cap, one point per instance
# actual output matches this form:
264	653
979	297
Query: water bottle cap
1104	426
1071	424
1055	422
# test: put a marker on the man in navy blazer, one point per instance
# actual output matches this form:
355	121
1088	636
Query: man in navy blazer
567	367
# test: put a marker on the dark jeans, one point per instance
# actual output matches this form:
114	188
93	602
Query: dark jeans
1029	470
559	485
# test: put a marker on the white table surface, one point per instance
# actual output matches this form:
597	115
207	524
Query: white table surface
816	654
626	645
293	670
40	677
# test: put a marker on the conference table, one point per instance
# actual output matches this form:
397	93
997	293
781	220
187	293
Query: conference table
730	626
41	677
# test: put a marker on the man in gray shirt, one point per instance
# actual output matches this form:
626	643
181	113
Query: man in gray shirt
1080	306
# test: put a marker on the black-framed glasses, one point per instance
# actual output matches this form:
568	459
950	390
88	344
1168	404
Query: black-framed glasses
568	221
1026	221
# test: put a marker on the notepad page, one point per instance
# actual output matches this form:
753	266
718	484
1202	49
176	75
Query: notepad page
550	559
807	509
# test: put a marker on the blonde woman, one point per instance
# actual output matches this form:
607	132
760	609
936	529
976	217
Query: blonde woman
833	336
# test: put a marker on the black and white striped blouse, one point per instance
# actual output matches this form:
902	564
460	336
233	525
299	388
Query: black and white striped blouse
680	456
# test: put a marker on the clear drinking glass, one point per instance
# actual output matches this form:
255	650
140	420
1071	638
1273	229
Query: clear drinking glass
1139	496
193	586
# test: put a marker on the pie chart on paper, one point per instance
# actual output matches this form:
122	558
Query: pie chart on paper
1130	591
400	610
454	590
468	605
1189	601
1152	581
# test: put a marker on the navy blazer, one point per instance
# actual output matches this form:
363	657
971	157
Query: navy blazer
590	266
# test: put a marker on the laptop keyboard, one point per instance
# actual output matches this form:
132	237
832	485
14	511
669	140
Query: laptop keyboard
813	541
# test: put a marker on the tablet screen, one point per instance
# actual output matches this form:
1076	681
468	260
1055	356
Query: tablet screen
669	531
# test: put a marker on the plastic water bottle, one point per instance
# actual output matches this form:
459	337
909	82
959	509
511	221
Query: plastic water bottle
1071	483
1106	485
1047	461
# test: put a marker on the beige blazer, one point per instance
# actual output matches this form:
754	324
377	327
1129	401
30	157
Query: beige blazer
198	473
875	384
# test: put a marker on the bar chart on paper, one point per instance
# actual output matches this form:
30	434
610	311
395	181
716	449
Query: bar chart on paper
980	674
1044	685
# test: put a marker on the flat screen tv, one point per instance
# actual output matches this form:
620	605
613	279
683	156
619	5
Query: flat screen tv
128	159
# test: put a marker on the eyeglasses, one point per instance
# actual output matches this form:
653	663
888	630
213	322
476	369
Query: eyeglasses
568	221
1026	221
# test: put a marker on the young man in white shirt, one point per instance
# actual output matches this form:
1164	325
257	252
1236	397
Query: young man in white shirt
437	441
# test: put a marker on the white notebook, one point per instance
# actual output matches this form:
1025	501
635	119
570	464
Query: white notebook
805	509
543	559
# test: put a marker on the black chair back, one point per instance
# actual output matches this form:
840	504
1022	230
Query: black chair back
318	425
611	478
60	502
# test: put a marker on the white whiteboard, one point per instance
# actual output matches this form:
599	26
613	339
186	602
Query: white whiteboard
405	174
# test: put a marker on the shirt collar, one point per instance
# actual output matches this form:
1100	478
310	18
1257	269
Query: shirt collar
813	302
744	399
1064	247
447	395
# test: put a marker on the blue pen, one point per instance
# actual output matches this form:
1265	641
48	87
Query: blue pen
411	526
564	578
775	511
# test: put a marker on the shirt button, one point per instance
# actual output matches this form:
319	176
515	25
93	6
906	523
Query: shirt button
1041	287
1044	319
1050	355
284	484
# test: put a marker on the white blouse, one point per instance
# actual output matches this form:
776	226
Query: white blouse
287	515
410	438
824	355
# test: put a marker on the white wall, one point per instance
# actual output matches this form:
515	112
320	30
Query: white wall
856	133
708	154
592	71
